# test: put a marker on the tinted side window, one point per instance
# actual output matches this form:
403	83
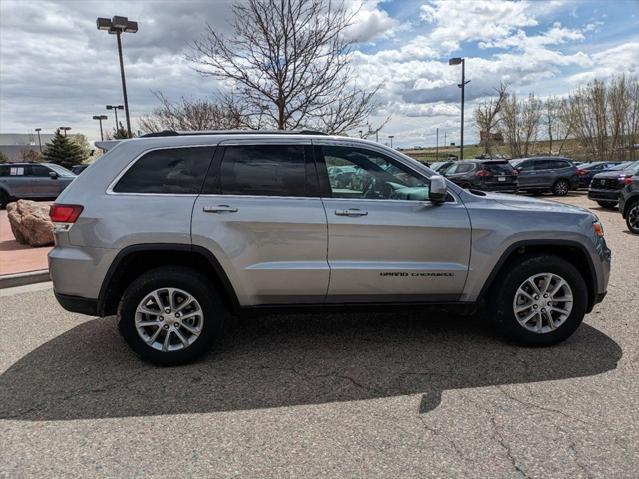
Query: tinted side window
169	171
526	166
38	170
264	170
544	164
4	170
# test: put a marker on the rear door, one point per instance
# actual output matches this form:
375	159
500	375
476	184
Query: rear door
261	216
17	182
387	242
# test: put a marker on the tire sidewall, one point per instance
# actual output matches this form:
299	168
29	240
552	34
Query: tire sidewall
501	309
635	231
189	281
557	183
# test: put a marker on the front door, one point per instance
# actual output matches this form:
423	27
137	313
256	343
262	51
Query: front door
387	242
261	216
43	186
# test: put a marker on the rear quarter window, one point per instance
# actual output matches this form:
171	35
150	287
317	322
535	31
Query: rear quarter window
167	171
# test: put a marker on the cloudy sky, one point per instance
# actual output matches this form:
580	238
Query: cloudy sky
57	69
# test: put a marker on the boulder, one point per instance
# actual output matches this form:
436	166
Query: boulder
30	222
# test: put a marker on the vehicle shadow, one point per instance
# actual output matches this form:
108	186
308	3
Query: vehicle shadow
275	361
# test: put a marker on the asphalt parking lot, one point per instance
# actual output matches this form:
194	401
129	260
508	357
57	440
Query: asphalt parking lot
405	394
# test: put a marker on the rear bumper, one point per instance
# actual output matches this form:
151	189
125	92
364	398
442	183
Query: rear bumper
77	304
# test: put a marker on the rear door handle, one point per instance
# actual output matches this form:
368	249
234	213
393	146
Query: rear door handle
351	212
219	209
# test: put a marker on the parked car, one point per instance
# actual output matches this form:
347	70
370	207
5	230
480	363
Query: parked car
440	166
486	175
77	169
174	233
605	187
34	181
586	171
540	174
629	203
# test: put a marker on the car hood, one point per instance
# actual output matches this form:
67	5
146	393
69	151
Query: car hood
614	174
535	204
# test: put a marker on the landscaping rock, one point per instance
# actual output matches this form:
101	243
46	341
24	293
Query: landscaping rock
30	223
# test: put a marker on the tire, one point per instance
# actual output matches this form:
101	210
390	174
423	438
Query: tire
560	188
4	199
632	217
505	296
607	204
203	317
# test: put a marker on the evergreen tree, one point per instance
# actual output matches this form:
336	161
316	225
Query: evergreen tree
63	151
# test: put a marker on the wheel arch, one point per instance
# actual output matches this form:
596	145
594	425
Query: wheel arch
572	251
631	200
134	260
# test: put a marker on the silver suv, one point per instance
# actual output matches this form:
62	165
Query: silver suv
175	232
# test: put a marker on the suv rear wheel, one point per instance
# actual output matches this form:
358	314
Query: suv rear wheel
170	316
540	302
560	188
4	199
632	218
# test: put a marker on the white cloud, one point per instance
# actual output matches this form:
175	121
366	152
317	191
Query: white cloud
370	24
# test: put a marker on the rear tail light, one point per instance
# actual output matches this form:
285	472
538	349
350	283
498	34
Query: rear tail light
627	180
581	172
65	213
515	172
483	173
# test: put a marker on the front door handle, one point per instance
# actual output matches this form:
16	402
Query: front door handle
351	212
219	209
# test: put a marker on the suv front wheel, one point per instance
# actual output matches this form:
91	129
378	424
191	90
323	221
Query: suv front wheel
540	301
632	217
170	316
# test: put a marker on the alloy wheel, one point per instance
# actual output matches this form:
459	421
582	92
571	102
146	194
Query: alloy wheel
543	302
633	217
169	319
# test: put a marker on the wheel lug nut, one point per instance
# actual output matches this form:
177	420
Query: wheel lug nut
177	315
535	306
166	326
545	295
160	318
536	297
543	310
177	325
167	310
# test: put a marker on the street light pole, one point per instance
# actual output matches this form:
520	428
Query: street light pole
115	109
65	129
39	139
462	85
391	139
437	146
100	118
117	26
126	98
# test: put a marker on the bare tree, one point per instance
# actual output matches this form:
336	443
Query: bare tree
520	121
487	115
557	124
289	63
200	114
604	117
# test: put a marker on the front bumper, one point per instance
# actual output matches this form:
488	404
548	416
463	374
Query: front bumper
603	195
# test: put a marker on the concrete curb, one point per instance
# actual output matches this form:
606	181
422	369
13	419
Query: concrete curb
20	279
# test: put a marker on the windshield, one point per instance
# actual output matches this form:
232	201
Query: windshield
61	170
628	165
584	166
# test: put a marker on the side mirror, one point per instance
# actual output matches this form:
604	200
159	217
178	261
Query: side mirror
438	190
53	175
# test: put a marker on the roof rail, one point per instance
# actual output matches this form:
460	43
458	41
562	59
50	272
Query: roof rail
232	132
